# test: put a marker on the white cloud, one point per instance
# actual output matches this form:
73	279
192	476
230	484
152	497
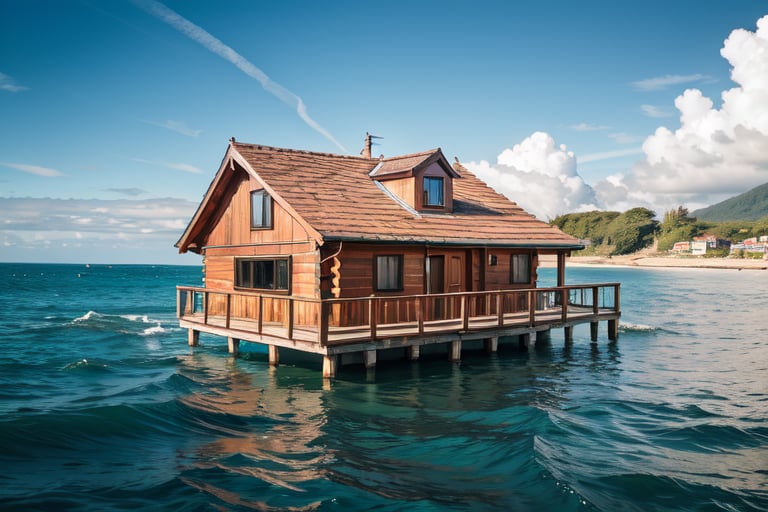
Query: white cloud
33	169
624	138
608	155
540	176
94	229
178	166
212	44
715	153
9	84
179	127
586	127
654	111
667	81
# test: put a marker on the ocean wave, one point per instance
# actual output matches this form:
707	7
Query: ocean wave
86	365
632	327
122	323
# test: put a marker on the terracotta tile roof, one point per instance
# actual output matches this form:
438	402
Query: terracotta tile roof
335	195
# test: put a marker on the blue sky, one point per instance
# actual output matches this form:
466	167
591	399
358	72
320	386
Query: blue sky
114	116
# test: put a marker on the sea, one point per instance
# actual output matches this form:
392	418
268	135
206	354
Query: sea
104	406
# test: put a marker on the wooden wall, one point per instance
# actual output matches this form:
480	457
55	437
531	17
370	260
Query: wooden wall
233	237
497	277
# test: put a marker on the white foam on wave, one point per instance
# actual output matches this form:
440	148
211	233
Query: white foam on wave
637	327
89	315
150	331
137	318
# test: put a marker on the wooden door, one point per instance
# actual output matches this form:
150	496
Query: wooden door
435	269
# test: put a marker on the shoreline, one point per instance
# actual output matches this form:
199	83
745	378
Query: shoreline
659	262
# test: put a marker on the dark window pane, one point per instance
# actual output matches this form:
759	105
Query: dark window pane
433	191
521	268
389	273
261	209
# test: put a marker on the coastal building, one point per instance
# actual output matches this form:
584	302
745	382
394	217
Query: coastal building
700	245
356	257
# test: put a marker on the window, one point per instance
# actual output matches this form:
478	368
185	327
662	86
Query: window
263	274
520	271
389	273
261	210
433	192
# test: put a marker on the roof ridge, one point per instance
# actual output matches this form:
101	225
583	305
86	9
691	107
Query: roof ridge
265	147
412	155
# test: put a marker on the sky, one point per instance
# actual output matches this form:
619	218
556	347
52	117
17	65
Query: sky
115	115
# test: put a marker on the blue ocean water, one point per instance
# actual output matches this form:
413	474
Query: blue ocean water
104	407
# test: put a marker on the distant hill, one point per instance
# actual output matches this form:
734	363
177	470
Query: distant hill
751	205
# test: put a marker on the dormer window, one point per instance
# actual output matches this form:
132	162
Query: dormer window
434	192
261	210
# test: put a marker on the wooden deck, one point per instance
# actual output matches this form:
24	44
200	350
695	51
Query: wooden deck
337	326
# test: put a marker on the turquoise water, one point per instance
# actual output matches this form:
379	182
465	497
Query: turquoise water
104	407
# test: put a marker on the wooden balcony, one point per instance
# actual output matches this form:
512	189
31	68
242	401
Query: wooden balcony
334	326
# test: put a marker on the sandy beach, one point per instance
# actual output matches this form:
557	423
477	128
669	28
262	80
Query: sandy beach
662	261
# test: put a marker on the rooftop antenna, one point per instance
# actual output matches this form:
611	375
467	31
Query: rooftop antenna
366	152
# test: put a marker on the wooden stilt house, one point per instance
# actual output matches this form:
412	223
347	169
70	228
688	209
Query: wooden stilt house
345	256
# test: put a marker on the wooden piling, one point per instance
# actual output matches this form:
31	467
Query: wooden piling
274	355
593	330
329	366
234	346
193	337
455	351
613	330
369	358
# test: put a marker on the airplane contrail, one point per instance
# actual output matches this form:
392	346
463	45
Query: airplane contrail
215	45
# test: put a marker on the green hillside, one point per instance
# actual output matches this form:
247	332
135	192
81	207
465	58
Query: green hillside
751	205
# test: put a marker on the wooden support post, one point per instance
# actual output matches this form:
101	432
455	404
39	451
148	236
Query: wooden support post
193	337
329	366
274	355
593	330
455	354
568	333
528	339
369	358
234	345
413	352
491	344
613	330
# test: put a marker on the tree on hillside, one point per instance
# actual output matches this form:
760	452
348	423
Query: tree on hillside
631	231
677	226
587	225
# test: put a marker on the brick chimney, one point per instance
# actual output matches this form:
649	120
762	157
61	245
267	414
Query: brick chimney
366	152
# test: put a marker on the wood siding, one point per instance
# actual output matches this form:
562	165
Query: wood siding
232	237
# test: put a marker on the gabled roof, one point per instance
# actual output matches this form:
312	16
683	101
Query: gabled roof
335	198
408	165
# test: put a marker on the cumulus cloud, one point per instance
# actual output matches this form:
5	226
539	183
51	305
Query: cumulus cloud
716	152
540	176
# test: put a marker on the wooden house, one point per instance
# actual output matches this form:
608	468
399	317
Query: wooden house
340	255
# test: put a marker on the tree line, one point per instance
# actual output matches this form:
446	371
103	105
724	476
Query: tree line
615	233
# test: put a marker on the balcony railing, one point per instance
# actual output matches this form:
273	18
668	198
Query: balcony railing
352	320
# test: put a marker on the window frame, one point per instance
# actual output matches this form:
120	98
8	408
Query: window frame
398	285
427	196
281	284
267	210
513	268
